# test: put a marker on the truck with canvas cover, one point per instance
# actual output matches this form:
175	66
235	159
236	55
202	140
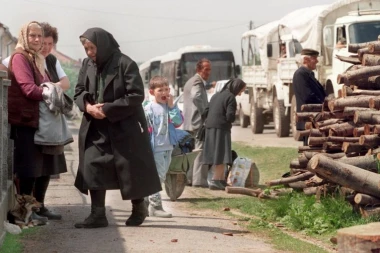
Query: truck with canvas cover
321	28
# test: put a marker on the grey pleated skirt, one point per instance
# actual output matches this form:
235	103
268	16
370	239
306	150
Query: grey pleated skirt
217	147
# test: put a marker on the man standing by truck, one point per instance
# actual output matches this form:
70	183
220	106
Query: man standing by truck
307	89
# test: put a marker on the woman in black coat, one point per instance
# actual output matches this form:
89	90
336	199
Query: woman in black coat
114	147
217	145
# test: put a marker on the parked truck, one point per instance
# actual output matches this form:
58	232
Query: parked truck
318	27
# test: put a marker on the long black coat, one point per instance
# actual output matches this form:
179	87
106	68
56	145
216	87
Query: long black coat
307	90
126	129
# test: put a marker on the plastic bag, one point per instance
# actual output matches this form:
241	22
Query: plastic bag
12	228
239	172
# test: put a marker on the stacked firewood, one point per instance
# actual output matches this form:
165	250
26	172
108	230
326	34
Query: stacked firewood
343	133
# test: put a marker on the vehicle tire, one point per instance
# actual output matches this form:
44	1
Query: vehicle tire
293	114
257	119
244	120
175	185
281	121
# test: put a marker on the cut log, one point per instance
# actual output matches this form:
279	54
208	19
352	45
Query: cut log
243	190
341	139
317	141
353	48
368	162
375	151
365	199
308	126
374	47
354	75
303	160
353	101
371	83
310	190
298	185
291	179
311	108
369	211
353	148
315	133
305	116
374	103
307	148
369	129
346	175
329	115
347	91
352	60
329	147
297	171
328	122
309	155
295	164
370	140
358	131
301	134
362	52
344	129
376	129
367	117
359	239
370	60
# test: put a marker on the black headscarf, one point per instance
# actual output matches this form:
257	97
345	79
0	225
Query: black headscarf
234	86
105	44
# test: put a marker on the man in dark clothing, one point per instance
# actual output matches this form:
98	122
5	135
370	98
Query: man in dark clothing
306	87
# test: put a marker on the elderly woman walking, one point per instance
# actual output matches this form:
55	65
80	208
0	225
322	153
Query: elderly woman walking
114	146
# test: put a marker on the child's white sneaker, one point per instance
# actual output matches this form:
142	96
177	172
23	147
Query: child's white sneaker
158	211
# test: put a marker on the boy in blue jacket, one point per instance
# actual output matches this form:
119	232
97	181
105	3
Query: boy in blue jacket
162	117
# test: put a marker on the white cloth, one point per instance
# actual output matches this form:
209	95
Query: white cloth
53	129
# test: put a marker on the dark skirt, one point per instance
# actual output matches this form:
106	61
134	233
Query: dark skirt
99	170
28	160
217	147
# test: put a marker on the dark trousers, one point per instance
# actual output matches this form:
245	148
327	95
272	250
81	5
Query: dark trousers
36	186
98	198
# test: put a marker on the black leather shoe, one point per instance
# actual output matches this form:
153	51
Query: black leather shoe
216	185
44	212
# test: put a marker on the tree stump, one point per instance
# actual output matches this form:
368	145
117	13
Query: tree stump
359	239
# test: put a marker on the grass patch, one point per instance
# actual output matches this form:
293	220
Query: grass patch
13	244
296	211
272	162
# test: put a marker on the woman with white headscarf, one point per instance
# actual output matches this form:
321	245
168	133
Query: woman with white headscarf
27	72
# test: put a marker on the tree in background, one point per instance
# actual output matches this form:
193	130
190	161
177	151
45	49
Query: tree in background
72	73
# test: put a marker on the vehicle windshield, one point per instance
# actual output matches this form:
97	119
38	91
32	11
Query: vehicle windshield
222	65
364	32
155	69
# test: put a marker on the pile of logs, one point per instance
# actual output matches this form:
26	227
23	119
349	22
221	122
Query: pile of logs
344	136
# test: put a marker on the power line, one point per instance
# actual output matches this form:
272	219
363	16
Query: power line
168	37
128	14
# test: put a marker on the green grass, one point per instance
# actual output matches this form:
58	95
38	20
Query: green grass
296	211
13	244
272	162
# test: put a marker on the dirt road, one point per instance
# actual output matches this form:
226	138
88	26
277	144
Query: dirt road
267	139
195	231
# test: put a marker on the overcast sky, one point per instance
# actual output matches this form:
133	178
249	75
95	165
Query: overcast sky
147	28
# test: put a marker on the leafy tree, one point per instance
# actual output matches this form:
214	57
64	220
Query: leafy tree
72	73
